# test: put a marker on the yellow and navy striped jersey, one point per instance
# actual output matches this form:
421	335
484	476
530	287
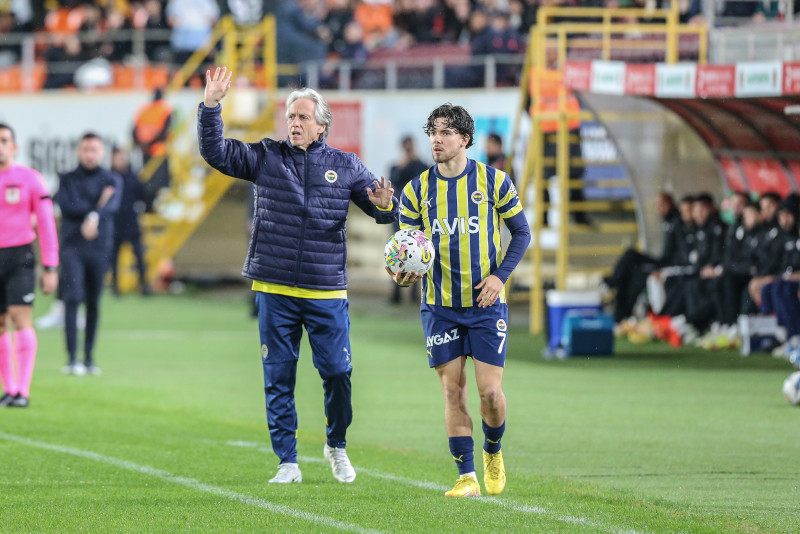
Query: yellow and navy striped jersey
462	217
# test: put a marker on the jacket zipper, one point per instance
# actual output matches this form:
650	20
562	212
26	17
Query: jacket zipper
305	215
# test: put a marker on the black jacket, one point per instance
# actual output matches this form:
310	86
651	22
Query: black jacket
78	194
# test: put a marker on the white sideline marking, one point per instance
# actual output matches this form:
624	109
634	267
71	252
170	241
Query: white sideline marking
189	483
504	503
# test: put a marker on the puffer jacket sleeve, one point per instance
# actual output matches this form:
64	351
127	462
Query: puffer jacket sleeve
362	179
228	156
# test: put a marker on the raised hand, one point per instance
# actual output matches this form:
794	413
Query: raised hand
217	86
382	196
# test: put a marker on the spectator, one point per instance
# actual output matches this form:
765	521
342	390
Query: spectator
510	44
456	19
495	157
191	22
62	57
338	17
408	167
353	48
10	52
150	132
301	35
126	220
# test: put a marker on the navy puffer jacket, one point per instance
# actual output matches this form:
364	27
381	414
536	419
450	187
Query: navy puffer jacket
301	201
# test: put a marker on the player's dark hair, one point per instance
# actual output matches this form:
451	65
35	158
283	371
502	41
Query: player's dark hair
4	126
457	118
90	135
687	198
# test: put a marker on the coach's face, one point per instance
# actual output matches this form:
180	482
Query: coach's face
8	148
90	153
446	142
302	123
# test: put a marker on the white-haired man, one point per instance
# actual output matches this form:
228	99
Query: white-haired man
297	257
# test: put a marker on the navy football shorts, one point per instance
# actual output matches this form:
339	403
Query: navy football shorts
17	276
478	332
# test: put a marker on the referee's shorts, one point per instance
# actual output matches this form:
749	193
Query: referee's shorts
17	276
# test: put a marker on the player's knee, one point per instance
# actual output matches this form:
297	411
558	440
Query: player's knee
454	395
492	397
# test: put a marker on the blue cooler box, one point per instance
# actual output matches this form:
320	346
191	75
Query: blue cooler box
587	333
561	302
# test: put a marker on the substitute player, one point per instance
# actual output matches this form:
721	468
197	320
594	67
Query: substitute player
458	203
24	198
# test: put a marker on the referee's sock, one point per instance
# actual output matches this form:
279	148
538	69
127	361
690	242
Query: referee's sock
26	357
7	365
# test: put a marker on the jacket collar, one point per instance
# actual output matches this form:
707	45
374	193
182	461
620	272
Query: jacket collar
316	146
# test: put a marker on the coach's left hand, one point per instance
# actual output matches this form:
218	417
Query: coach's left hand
490	287
382	196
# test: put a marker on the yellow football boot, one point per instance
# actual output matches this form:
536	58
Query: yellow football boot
494	472
466	486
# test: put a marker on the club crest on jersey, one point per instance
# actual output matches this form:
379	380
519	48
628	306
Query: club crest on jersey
331	176
12	194
501	325
477	197
264	352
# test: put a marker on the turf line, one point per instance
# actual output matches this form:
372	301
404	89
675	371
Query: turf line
504	503
189	483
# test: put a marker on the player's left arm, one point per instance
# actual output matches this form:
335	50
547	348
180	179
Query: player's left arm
508	206
373	197
42	208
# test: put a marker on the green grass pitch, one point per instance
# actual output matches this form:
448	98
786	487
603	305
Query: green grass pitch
172	437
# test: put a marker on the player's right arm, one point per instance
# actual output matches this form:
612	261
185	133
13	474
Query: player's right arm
410	216
229	156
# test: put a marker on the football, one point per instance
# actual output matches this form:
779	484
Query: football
409	251
791	388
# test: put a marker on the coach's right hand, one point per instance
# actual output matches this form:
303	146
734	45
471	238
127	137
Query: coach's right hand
217	86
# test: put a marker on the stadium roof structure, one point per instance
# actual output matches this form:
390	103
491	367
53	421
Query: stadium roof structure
747	113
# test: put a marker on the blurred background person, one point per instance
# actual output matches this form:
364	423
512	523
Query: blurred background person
126	220
408	167
150	132
88	197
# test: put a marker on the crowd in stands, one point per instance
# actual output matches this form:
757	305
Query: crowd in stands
715	266
72	32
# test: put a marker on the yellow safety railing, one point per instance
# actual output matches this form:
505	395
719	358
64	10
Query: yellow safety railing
548	47
250	52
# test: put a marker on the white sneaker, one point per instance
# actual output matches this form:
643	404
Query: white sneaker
287	473
77	369
93	370
340	464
